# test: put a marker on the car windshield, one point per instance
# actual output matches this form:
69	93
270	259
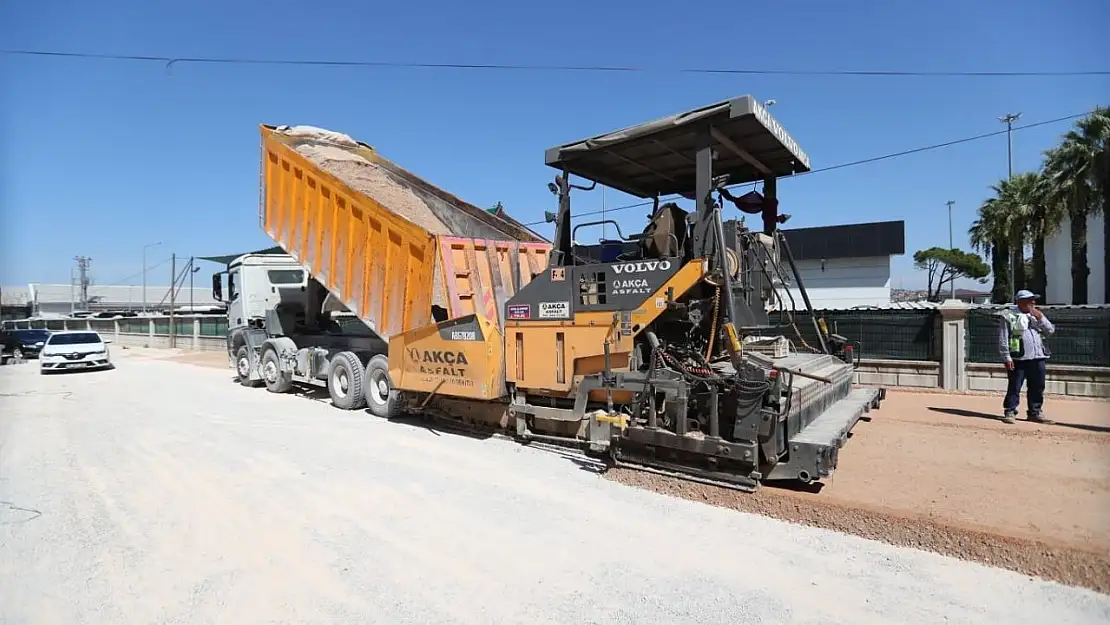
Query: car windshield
76	338
32	335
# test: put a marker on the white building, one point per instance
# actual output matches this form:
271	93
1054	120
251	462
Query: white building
847	265
1057	252
54	300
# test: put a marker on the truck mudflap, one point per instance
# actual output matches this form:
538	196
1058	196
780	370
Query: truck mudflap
461	357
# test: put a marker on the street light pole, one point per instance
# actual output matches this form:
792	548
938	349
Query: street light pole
1009	119
144	270
951	246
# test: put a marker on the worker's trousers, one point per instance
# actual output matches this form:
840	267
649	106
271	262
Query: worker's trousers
1026	371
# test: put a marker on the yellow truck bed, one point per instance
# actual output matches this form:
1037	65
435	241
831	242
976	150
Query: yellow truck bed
387	243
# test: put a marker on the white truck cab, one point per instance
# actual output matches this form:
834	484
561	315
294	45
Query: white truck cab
253	281
284	327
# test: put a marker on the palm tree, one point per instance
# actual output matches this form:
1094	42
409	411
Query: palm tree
1015	198
989	235
1077	176
1033	217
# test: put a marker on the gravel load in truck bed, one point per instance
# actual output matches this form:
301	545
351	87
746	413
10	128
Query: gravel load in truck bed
375	182
334	153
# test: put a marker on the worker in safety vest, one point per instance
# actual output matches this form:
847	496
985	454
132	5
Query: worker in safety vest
1021	345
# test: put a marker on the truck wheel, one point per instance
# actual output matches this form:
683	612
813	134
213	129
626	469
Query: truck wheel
382	400
277	381
243	366
345	381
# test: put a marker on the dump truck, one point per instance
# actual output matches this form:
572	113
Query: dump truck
665	350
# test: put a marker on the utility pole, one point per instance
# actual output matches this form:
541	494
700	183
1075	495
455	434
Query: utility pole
604	226
173	298
1009	119
192	270
83	280
144	271
951	246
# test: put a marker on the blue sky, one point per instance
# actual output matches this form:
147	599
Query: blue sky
101	157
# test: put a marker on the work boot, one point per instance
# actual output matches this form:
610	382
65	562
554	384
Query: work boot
1037	417
1010	416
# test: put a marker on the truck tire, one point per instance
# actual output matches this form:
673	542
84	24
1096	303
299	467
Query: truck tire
346	381
277	381
243	366
381	398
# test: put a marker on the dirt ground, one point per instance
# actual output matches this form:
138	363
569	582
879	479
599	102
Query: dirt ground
939	472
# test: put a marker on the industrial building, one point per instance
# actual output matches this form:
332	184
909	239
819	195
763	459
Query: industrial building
847	265
57	300
1057	260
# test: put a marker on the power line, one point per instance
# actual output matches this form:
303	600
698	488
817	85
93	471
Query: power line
865	161
124	281
170	61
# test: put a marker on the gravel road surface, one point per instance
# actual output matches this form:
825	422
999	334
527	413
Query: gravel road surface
162	492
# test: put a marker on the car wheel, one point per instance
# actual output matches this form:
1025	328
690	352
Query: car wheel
17	354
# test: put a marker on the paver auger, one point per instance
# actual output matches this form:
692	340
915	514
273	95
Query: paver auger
654	350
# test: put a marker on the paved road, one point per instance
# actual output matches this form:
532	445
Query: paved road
164	493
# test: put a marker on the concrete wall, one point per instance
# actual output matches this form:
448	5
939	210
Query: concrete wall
1062	379
1058	263
905	373
162	341
845	282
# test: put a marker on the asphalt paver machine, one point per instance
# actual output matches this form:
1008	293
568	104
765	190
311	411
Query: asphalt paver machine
658	348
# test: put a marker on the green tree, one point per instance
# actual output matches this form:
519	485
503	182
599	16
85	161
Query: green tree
989	234
1020	212
1077	174
943	266
1032	217
1043	218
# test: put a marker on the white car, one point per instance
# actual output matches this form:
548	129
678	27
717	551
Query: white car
74	349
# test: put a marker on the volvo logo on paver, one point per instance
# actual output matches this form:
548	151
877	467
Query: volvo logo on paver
643	266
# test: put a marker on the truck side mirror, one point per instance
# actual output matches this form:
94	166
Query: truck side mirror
217	288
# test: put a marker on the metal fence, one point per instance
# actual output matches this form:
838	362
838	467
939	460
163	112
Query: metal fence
878	334
209	325
1082	335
